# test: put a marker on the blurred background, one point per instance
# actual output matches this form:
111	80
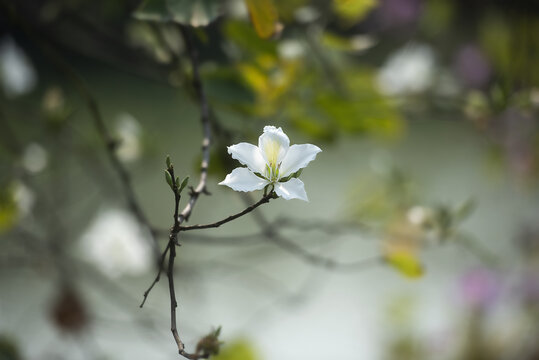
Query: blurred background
421	237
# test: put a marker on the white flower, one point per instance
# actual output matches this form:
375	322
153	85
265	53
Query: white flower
410	70
116	245
35	158
17	75
128	132
273	162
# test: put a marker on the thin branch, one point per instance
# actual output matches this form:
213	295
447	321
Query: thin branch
321	261
264	200
158	277
110	145
194	195
109	142
172	243
272	235
205	120
321	225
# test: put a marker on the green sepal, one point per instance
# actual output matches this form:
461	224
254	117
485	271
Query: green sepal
294	175
168	177
183	184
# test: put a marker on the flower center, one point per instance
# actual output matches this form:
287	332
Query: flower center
272	172
272	149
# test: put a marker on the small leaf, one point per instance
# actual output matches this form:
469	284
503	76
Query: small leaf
184	184
168	162
406	263
168	177
264	17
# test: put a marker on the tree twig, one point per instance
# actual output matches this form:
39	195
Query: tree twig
109	142
206	125
158	276
194	194
247	210
272	235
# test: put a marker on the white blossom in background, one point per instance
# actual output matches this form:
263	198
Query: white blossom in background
116	245
35	158
272	162
306	14
291	49
409	70
128	132
24	198
17	75
419	215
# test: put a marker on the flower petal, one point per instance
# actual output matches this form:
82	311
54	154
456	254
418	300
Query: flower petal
298	157
250	155
273	144
292	189
242	179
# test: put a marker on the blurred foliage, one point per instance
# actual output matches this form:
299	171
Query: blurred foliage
237	350
264	17
8	349
315	66
352	11
391	204
405	262
8	208
293	87
188	12
68	312
210	344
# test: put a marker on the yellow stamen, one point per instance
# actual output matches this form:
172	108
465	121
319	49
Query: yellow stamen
272	149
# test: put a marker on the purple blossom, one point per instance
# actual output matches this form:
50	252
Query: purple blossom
480	288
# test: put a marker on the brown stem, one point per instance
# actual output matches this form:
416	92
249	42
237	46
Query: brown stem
158	277
271	234
205	120
247	210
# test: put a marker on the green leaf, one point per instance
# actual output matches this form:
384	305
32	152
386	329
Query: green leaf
168	177
168	162
183	185
264	17
364	110
243	35
406	263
